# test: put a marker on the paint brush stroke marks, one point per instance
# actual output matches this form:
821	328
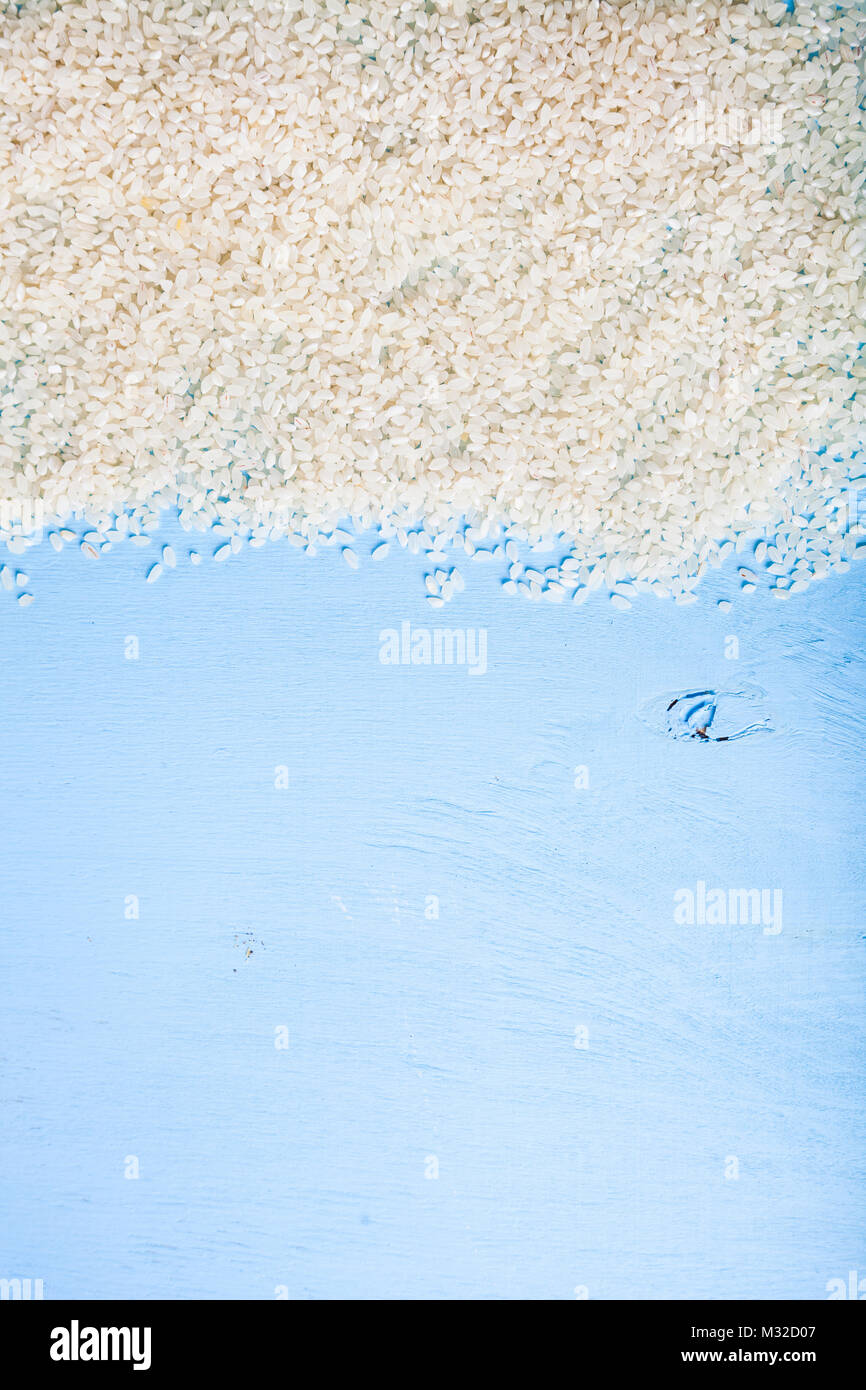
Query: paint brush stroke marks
709	716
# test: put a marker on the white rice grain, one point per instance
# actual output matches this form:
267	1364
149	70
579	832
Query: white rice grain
590	270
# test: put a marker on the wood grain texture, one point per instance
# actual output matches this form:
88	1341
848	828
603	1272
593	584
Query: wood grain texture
413	1036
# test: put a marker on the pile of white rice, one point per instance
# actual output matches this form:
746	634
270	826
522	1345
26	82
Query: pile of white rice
592	269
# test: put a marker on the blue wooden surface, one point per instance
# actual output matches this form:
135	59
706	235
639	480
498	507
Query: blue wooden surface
411	1037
